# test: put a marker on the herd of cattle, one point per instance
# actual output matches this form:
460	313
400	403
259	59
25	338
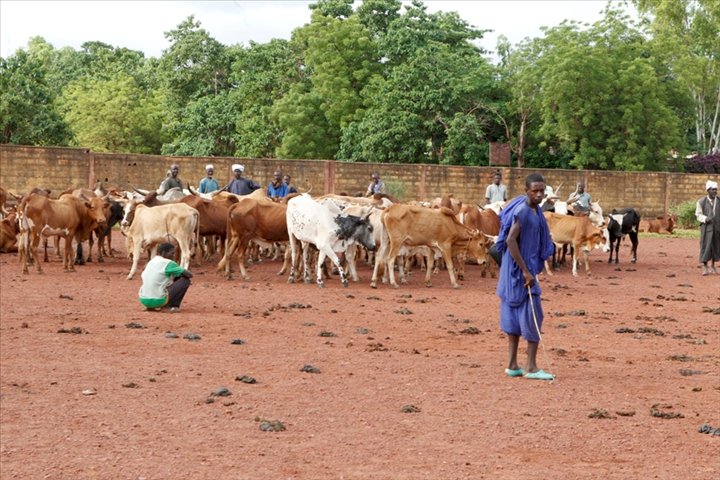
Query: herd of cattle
376	229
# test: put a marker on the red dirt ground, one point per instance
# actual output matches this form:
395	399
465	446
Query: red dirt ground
149	417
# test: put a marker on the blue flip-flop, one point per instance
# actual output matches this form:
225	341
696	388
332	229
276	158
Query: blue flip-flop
540	375
514	373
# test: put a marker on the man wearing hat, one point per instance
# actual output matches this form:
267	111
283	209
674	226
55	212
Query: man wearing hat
241	185
707	211
209	184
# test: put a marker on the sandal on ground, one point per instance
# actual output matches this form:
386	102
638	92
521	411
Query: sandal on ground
514	373
540	375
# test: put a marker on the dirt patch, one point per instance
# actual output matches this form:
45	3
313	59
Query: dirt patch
403	393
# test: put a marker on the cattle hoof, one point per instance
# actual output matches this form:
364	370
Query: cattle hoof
456	287
428	284
373	285
345	283
308	281
321	285
633	260
101	260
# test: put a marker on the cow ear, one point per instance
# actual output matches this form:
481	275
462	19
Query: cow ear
88	205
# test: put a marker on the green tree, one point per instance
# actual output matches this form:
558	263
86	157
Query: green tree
28	112
196	68
195	64
687	33
340	58
113	115
604	98
262	75
433	72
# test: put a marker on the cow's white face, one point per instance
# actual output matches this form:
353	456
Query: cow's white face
128	213
596	240
606	236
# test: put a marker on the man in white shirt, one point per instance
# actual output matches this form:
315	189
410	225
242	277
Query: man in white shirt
495	192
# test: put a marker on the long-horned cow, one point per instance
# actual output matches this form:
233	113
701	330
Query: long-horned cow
330	231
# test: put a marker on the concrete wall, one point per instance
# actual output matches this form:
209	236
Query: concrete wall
22	168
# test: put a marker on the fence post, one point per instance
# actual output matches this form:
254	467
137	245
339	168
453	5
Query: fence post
91	169
329	176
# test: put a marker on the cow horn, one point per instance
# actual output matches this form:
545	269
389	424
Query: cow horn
192	190
141	192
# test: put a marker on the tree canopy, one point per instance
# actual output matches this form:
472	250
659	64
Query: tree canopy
388	81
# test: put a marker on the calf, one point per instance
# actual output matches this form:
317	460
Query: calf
330	231
577	231
620	223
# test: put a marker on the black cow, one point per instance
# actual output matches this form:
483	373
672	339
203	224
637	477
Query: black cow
620	223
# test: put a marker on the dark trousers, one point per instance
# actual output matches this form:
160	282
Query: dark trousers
177	290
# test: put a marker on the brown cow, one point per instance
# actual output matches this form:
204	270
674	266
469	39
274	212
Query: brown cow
253	219
580	233
487	222
8	233
3	201
213	216
408	225
661	224
69	217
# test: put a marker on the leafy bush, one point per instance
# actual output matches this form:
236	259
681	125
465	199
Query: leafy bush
706	164
685	214
396	188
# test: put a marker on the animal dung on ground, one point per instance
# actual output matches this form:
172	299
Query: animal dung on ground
309	369
73	330
409	408
245	379
270	425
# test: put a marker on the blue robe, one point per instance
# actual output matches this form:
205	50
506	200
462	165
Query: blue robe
535	246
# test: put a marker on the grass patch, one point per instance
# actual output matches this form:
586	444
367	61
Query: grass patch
677	233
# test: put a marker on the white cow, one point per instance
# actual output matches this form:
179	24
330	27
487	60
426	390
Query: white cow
154	225
328	229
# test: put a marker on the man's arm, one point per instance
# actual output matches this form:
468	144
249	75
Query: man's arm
514	249
699	213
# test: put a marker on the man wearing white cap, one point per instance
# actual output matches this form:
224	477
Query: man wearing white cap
209	184
241	185
707	211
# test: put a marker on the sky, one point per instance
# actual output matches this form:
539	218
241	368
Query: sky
140	25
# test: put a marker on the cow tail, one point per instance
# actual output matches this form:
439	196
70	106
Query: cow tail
197	233
24	232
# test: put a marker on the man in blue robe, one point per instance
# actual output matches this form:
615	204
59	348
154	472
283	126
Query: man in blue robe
525	243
